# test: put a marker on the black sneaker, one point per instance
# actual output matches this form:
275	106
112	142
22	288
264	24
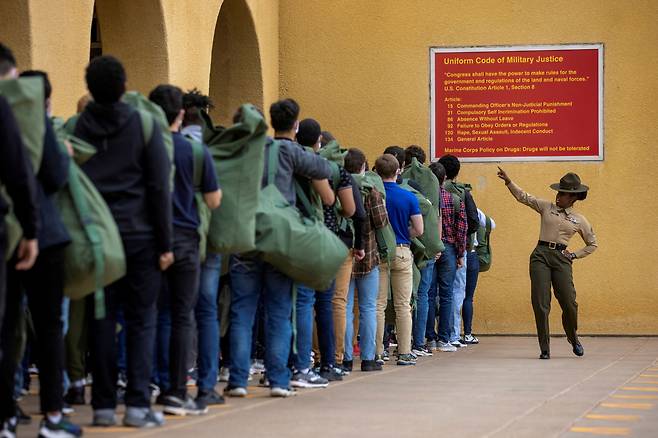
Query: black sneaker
64	429
308	380
330	373
370	365
75	395
209	398
177	406
406	359
386	356
347	366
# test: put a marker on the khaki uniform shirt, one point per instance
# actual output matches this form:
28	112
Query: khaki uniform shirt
558	225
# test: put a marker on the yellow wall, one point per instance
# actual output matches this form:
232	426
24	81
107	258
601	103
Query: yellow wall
361	68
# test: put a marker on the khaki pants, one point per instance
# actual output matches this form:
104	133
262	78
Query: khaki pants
339	303
548	267
401	280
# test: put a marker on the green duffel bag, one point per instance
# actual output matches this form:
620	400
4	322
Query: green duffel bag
385	237
426	180
303	248
95	257
205	214
483	247
430	237
25	96
237	153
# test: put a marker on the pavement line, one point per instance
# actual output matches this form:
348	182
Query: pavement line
553	397
648	382
648	375
636	396
640	406
609	431
613	417
640	388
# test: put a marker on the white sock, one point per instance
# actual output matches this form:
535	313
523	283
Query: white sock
55	418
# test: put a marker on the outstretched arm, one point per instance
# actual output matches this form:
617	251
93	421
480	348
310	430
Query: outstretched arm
523	197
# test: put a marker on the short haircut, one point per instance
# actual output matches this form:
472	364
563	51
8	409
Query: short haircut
106	79
397	152
284	114
414	151
7	60
354	160
439	171
309	132
451	164
582	196
387	166
47	87
193	102
327	137
169	98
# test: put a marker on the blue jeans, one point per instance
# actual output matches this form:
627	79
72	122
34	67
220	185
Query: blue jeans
207	322
368	287
430	327
324	320
251	278
445	271
420	316
472	273
304	308
458	294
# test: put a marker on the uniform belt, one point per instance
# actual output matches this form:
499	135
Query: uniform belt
552	245
403	245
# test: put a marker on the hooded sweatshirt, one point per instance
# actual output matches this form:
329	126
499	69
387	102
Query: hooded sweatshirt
131	174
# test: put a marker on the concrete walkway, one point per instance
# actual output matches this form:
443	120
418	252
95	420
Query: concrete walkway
496	389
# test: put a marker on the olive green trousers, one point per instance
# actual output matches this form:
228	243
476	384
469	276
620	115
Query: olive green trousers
548	267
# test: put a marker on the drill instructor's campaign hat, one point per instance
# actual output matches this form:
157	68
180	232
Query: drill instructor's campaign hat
570	183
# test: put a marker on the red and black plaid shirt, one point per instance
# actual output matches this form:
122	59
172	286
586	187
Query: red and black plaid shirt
454	228
377	218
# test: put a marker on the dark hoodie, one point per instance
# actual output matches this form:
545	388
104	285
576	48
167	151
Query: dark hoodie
131	175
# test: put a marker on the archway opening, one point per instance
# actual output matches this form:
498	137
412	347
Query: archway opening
235	72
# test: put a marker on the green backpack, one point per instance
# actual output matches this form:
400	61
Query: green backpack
237	153
431	237
25	96
303	248
385	237
483	248
205	214
458	193
95	256
426	179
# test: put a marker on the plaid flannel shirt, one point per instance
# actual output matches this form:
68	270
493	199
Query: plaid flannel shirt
377	218
454	231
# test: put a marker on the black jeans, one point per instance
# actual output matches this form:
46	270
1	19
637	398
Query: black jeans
44	285
183	281
3	271
137	294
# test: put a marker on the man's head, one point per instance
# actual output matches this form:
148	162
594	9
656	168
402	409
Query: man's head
309	133
414	151
170	99
398	153
193	102
439	171
7	63
355	161
327	137
451	164
284	115
387	167
47	87
106	79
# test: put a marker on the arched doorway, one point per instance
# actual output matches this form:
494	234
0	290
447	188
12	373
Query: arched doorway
235	72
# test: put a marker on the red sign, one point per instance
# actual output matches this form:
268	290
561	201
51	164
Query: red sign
518	103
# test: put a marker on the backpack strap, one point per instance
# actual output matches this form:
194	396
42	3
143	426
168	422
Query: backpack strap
91	230
147	125
198	154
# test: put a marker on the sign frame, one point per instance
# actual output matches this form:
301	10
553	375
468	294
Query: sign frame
508	48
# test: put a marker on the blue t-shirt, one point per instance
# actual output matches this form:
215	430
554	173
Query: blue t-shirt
400	205
185	212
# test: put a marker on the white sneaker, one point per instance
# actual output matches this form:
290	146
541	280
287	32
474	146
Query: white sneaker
224	374
458	344
470	339
235	392
282	392
445	346
419	352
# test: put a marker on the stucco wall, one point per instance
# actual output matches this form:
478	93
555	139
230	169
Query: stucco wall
361	68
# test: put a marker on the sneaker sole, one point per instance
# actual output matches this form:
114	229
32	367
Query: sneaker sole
236	394
405	363
298	384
